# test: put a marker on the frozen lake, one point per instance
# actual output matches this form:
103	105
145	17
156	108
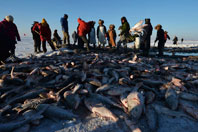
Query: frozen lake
26	47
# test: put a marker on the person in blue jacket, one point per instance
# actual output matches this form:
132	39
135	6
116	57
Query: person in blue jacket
65	29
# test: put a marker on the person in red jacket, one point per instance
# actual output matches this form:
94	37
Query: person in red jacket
12	32
45	34
83	29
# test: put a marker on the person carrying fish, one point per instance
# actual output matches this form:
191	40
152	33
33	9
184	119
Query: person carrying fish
111	36
83	29
45	34
160	38
101	33
36	38
124	33
147	41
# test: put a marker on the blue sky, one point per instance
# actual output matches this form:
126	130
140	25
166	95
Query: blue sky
178	17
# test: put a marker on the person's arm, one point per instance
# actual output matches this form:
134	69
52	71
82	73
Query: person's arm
98	32
61	21
123	28
157	38
17	34
168	36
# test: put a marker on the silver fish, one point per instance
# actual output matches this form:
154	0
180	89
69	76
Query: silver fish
163	110
117	90
103	88
152	118
95	82
171	98
123	99
149	97
135	101
73	100
189	109
188	96
56	112
98	108
8	127
133	126
106	100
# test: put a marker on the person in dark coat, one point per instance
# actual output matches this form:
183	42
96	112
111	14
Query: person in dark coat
175	40
75	37
65	29
124	32
147	41
45	34
12	32
57	38
166	36
83	29
5	42
36	38
160	39
182	40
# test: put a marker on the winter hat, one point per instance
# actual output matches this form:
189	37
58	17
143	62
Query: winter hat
165	32
147	20
44	22
35	22
9	18
158	26
112	25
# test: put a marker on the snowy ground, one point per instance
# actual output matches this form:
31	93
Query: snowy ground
26	47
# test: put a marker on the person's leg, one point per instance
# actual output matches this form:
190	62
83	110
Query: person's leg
84	39
35	45
64	37
44	46
119	44
13	49
39	45
67	38
51	44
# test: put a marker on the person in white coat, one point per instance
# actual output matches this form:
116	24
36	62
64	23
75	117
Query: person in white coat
101	33
92	36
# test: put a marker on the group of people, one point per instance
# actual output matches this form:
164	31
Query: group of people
42	33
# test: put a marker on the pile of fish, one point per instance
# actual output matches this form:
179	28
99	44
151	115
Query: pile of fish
56	86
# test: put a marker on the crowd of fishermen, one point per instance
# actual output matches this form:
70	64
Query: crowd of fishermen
42	33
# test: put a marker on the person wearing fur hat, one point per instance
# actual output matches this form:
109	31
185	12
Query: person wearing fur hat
36	38
45	34
112	36
101	33
147	42
160	39
12	32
